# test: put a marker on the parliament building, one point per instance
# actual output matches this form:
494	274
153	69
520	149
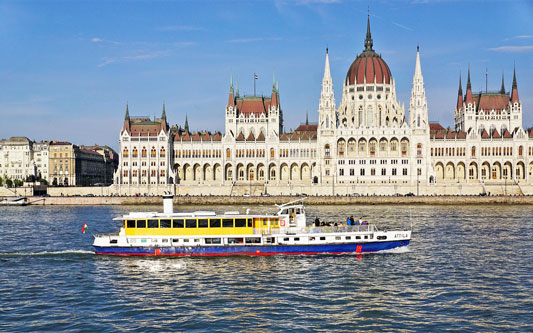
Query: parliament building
364	144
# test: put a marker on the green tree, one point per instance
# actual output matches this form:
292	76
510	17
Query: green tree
1	181
9	182
18	182
54	182
44	181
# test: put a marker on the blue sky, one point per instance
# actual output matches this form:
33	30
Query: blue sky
68	68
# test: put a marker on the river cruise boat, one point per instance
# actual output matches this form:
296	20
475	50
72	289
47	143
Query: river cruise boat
205	233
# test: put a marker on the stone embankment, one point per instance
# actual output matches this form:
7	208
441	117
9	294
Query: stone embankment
270	200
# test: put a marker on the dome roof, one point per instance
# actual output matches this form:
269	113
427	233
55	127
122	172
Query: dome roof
368	65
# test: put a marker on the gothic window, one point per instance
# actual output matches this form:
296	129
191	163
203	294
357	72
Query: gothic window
370	117
473	151
340	147
520	151
327	152
144	152
162	152
360	116
327	122
419	149
404	144
372	147
418	120
125	152
228	153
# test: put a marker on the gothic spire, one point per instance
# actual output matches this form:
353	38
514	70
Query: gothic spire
164	114
460	94
306	117
468	97
418	113
273	82
186	124
368	40
502	90
127	117
231	84
514	92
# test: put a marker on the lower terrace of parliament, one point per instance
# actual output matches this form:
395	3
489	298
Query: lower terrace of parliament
365	145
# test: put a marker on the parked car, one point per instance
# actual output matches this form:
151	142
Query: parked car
410	194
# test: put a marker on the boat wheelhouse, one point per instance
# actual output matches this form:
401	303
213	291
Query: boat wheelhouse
206	233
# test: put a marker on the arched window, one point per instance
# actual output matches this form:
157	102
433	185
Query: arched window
135	153
272	153
327	150
228	153
327	122
144	152
153	152
419	149
125	153
162	152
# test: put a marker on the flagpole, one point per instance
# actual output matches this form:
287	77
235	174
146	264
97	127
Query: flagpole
254	84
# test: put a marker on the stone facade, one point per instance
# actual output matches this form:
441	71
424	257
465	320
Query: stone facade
365	145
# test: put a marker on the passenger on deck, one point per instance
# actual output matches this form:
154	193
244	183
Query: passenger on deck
317	222
360	221
349	221
364	223
352	220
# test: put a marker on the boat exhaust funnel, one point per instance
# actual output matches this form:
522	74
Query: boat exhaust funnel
168	205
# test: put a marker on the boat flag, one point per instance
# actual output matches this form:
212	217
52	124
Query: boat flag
255	76
84	227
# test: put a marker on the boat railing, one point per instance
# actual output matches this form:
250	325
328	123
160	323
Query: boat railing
316	230
107	235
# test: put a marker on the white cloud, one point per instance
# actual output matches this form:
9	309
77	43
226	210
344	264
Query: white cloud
401	26
96	40
139	56
512	48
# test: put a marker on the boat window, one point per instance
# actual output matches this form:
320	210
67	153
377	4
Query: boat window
177	223
297	211
164	223
357	237
214	223
253	240
185	240
197	240
284	212
144	240
113	241
213	240
311	238
322	238
269	240
275	223
235	240
265	222
338	238
227	223
286	239
382	237
190	223
141	223
240	223
250	223
203	223
175	240
348	237
130	223
296	239
366	237
164	240
153	224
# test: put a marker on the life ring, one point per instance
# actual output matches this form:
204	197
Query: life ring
282	223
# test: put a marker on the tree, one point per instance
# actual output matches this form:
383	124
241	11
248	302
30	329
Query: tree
54	182
44	181
18	182
1	181
9	182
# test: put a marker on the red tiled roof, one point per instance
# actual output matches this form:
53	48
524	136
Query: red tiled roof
436	127
251	137
307	128
506	134
531	133
450	135
497	102
206	137
261	137
196	137
485	135
461	135
495	134
284	137
439	135
257	106
217	137
370	66
88	151
240	137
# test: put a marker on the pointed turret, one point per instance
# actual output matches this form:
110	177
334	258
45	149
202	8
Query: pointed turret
368	40
418	111
231	98
126	126
468	97
274	96
307	118
237	90
186	127
514	92
502	90
460	94
326	107
164	123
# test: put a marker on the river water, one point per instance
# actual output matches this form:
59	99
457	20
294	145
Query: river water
468	268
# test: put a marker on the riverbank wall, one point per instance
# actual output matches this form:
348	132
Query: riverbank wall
271	200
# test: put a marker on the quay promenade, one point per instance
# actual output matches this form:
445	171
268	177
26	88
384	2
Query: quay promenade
271	200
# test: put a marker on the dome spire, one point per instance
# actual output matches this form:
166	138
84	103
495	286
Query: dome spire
368	40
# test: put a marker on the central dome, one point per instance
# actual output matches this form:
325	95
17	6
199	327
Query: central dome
368	66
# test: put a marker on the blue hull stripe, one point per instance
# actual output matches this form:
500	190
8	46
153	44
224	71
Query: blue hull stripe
264	250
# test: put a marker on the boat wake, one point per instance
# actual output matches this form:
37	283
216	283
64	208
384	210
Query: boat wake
44	253
401	249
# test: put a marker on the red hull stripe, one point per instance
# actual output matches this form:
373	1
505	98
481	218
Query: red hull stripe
223	254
